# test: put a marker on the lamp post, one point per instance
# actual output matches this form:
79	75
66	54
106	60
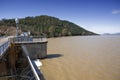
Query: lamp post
16	21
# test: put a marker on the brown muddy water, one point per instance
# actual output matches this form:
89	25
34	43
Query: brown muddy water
83	58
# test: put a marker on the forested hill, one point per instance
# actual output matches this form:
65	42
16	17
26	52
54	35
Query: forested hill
51	26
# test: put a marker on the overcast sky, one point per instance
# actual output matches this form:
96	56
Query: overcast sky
99	16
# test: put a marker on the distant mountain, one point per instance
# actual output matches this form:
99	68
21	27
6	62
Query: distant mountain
111	34
51	26
117	34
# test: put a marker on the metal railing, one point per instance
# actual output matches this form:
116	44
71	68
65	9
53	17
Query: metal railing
30	62
33	69
4	47
22	39
39	39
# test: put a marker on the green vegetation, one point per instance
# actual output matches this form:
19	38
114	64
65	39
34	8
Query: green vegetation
51	26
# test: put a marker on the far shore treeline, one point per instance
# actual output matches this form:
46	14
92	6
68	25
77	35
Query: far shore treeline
51	26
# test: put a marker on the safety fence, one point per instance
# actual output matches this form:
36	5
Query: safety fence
4	47
27	39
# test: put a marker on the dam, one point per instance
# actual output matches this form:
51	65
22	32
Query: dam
20	57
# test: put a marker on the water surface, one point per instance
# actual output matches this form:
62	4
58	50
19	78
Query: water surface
83	58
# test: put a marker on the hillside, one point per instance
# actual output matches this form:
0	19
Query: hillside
51	26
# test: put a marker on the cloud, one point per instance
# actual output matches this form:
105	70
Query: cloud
116	12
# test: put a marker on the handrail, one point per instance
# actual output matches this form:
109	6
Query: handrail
31	65
4	47
33	69
21	39
27	39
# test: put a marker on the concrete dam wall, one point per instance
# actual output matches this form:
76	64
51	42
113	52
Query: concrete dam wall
15	62
38	50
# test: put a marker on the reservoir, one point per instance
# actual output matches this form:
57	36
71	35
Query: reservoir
83	58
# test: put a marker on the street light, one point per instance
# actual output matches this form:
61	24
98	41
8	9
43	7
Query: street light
16	21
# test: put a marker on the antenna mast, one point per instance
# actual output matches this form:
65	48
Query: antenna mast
16	21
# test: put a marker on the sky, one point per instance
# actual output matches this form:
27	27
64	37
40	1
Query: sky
99	16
